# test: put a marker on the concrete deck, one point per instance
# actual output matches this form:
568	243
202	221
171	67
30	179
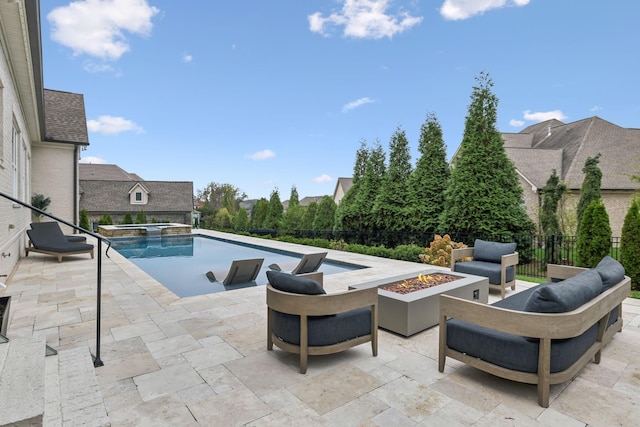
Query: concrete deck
203	360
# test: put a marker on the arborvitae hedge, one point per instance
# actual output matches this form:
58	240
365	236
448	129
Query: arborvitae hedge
594	236
630	245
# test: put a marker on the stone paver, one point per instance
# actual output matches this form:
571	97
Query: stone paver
203	360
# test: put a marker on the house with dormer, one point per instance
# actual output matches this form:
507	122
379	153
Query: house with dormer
109	190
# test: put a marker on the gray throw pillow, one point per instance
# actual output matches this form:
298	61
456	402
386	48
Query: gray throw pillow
491	251
611	271
566	295
286	282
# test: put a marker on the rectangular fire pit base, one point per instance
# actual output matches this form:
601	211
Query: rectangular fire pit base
408	314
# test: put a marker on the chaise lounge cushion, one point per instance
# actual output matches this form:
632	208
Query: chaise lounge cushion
490	270
491	251
611	271
286	282
566	295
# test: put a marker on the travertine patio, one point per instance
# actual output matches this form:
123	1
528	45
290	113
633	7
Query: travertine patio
203	361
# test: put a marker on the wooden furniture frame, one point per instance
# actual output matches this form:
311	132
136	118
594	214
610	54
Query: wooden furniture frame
544	326
320	305
510	260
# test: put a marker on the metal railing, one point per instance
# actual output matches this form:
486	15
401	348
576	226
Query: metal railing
96	358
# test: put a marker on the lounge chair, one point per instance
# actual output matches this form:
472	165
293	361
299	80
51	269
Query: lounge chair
308	264
54	227
49	242
241	271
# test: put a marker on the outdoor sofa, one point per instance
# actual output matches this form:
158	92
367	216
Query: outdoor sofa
543	335
303	319
494	260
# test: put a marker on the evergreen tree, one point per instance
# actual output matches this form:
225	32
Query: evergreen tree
428	181
275	212
590	189
128	219
630	245
141	218
551	195
370	184
393	200
293	215
325	215
105	220
84	220
259	214
241	220
346	216
484	195
309	216
594	236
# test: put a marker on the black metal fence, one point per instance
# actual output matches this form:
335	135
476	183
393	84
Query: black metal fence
535	250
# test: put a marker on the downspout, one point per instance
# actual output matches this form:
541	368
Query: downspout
75	185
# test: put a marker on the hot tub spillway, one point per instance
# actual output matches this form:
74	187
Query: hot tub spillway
153	231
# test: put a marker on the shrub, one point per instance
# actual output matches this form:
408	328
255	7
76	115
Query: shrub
407	252
128	219
141	218
84	220
439	251
594	235
106	220
630	245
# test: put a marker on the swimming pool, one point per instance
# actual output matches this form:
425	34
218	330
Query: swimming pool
180	262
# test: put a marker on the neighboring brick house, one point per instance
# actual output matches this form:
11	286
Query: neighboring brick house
108	189
41	132
539	149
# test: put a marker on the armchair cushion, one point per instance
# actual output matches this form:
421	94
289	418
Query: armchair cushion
611	272
486	269
324	330
491	251
286	282
566	295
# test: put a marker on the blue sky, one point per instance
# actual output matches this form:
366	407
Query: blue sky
266	95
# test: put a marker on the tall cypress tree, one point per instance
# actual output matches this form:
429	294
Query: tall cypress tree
346	216
325	215
484	195
594	236
549	223
369	188
590	189
391	206
293	215
630	245
259	213
429	179
275	212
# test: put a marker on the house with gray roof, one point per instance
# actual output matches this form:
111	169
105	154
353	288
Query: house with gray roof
539	149
108	189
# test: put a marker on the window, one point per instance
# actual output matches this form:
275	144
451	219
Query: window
138	196
15	159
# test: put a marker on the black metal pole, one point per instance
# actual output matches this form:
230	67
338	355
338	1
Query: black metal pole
96	360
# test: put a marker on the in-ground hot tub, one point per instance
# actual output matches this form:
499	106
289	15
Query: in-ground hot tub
140	230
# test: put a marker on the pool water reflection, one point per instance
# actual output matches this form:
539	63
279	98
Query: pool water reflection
180	262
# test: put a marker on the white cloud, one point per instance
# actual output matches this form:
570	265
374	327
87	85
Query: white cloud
595	108
322	178
92	67
541	116
97	27
262	155
363	19
516	123
110	125
93	160
463	9
357	103
187	58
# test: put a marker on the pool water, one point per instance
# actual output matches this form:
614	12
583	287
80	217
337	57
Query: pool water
180	262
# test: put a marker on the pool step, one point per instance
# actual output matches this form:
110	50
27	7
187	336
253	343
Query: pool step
22	383
72	392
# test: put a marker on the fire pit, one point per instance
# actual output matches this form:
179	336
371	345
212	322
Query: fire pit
410	303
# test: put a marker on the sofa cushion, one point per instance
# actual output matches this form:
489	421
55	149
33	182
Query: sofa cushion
611	272
486	269
491	251
286	282
324	330
566	295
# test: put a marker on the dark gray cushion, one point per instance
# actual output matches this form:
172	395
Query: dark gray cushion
286	282
611	272
491	251
324	330
566	295
486	269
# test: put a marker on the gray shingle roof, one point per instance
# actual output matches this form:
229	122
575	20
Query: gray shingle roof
102	172
64	117
566	148
113	196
